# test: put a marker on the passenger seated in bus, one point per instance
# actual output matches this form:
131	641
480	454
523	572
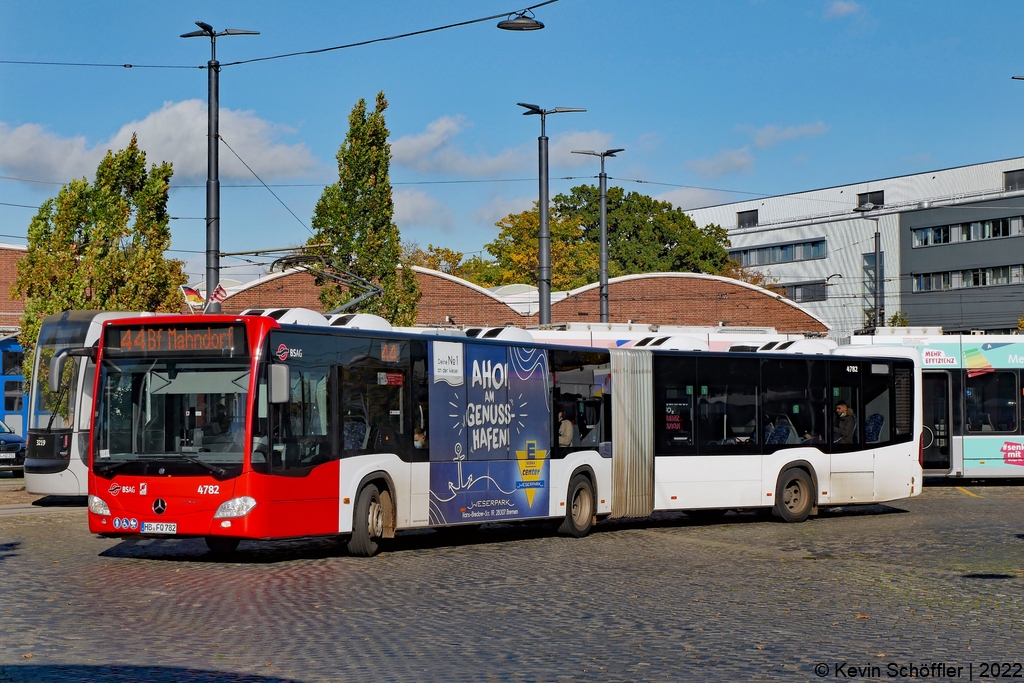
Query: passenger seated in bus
845	423
564	430
419	439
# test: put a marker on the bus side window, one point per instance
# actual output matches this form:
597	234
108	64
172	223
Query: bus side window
675	380
991	402
727	395
847	413
793	403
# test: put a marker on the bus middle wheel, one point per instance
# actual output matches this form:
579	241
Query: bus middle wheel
794	496
579	515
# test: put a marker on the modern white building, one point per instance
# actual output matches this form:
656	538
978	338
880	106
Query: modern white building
951	242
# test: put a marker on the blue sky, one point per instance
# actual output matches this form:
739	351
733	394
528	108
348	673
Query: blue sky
723	98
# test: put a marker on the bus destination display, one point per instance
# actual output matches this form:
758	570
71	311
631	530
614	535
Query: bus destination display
219	340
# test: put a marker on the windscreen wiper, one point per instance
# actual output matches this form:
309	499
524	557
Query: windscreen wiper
110	467
219	471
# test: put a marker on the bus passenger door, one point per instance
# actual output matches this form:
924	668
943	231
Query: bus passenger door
853	463
937	422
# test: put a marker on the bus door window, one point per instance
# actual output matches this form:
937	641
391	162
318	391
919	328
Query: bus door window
294	437
937	421
846	408
990	400
578	383
420	395
675	400
876	383
727	406
793	403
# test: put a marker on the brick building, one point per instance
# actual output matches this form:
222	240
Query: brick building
11	309
652	298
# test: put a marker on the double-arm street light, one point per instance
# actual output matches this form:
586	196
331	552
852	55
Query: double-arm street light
603	276
213	159
544	236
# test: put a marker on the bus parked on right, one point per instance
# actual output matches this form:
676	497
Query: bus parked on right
972	390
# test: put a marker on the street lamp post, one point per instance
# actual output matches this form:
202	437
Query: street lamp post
603	276
544	236
213	159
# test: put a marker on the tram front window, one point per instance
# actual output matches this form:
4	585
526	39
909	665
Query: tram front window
186	414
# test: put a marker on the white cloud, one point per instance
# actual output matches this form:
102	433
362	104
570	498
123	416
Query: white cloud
769	136
837	9
726	161
176	133
415	209
692	197
561	146
499	207
435	151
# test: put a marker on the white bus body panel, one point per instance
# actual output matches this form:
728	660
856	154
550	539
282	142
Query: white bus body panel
561	470
354	470
711	481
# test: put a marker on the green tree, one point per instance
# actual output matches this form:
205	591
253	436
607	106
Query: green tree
574	260
354	218
436	258
645	235
101	246
899	319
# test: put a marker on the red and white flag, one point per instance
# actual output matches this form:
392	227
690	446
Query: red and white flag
219	293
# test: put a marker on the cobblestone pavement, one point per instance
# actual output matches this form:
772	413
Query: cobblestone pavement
934	579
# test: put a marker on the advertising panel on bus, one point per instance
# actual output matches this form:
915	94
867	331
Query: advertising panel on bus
490	433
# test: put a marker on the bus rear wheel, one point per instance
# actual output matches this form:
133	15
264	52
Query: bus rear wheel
221	545
368	523
794	496
579	516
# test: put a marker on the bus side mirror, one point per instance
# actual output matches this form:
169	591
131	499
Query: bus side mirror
57	370
280	383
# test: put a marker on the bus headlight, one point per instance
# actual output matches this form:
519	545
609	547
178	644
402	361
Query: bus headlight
98	506
236	507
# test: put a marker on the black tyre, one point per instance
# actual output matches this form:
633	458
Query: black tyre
579	514
794	496
367	524
221	545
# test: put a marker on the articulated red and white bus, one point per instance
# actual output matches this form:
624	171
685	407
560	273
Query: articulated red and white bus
242	427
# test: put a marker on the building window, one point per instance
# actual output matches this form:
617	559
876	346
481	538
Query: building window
1013	180
925	237
985	230
807	291
13	396
746	219
928	282
12	361
876	198
783	253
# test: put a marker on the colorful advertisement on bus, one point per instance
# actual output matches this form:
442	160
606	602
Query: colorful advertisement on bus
489	433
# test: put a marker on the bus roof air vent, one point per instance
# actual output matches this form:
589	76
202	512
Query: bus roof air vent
683	343
359	321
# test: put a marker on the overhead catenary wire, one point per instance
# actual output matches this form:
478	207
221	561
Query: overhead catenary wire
288	208
123	65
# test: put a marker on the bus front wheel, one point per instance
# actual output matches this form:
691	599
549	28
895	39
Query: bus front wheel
368	523
579	516
794	496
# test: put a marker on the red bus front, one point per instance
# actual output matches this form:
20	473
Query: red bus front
181	433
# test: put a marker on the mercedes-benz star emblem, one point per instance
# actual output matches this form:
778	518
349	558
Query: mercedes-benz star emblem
159	506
